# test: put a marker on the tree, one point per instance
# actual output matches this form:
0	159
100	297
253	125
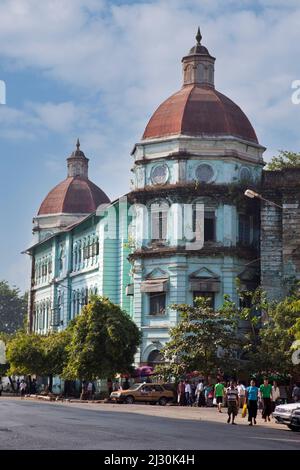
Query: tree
104	341
32	354
203	340
13	307
25	354
285	159
280	330
55	353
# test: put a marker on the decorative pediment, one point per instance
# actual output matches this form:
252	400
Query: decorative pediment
204	273
249	274
157	273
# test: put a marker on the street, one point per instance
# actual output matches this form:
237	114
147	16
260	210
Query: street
29	424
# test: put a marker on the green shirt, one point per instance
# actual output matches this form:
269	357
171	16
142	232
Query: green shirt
266	390
219	389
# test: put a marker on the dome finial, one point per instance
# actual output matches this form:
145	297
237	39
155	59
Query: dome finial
198	36
78	144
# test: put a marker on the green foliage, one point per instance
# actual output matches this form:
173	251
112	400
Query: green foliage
25	354
273	327
30	354
104	341
203	340
13	308
55	351
285	159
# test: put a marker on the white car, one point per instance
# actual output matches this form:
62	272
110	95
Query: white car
283	413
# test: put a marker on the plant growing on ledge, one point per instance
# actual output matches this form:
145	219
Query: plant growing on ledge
285	159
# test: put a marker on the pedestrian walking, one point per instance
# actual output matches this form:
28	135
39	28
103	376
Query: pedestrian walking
232	395
296	392
126	384
242	394
275	395
1	387
218	395
252	397
89	390
193	393
181	393
209	394
23	387
188	394
200	399
266	394
109	386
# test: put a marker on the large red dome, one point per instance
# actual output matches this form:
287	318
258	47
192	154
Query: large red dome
74	195
199	111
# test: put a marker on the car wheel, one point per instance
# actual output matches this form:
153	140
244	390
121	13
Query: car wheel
293	428
129	400
163	401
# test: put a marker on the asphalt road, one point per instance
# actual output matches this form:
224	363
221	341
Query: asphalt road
26	424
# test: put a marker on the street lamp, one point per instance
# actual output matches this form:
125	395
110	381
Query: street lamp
252	194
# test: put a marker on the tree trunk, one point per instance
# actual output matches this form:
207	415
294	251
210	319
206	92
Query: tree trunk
50	383
11	383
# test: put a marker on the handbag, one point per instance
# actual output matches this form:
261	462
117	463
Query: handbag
214	401
244	411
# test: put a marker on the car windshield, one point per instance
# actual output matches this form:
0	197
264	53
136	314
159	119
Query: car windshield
135	386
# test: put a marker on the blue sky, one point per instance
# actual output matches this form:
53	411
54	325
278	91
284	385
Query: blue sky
98	69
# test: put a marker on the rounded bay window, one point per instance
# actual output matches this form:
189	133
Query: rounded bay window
245	174
160	174
204	173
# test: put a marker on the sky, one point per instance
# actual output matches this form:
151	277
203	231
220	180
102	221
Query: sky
97	70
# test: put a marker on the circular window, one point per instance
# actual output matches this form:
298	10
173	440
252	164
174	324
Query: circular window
245	174
159	174
204	173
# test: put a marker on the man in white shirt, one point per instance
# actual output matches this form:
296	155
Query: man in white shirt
242	394
188	393
275	395
200	400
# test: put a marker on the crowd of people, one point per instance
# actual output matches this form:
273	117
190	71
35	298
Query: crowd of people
235	395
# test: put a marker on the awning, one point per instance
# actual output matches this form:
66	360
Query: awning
207	285
154	285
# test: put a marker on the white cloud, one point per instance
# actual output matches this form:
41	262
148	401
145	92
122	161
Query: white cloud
121	60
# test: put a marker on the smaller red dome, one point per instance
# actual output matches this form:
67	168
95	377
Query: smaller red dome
74	195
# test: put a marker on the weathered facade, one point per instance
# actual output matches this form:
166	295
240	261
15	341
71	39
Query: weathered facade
280	231
185	229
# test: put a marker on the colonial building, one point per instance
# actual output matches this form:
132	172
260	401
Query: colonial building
184	230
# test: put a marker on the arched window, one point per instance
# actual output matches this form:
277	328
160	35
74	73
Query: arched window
188	74
49	265
78	306
73	305
200	73
58	310
75	256
210	74
155	357
61	258
159	221
79	254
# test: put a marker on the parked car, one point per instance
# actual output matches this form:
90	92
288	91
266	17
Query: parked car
295	420
149	393
283	413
